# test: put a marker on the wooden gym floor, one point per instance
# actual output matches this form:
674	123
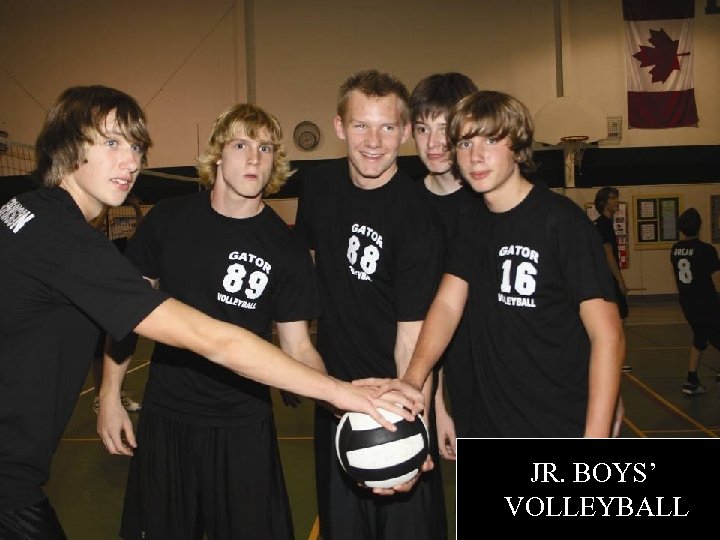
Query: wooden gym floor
87	484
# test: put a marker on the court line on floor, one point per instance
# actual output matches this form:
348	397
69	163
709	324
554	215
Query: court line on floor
129	371
633	427
315	531
670	406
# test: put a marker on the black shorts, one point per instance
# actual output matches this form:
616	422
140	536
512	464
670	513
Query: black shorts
36	522
186	479
705	324
350	512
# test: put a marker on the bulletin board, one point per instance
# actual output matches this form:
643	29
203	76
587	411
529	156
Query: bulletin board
656	220
715	218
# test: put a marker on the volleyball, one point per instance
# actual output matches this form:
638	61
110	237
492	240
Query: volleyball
376	457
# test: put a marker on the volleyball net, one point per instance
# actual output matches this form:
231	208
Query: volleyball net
16	158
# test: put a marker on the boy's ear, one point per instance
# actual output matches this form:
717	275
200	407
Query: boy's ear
339	128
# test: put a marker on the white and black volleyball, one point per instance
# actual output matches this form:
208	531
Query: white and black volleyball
376	457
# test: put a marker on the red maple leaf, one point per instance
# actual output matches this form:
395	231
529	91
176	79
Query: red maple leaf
663	55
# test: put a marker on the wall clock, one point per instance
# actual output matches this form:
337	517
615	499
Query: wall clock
307	136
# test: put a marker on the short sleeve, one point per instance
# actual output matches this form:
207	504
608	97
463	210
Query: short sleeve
604	228
103	284
296	298
583	264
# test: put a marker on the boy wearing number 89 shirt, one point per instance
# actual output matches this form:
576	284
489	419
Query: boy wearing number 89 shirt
527	266
206	435
696	267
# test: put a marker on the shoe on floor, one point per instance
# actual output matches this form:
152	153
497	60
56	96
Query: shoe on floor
128	403
627	369
693	389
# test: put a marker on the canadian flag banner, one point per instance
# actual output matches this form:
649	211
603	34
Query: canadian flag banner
659	63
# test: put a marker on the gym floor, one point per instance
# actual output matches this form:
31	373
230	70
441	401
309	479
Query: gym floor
87	484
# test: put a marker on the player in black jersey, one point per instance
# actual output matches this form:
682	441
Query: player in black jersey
607	203
61	280
446	196
696	268
529	269
378	260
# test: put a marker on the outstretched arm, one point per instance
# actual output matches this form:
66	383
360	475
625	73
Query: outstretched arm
239	350
607	342
440	324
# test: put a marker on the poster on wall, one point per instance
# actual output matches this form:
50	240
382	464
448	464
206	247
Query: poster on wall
620	224
668	220
657	220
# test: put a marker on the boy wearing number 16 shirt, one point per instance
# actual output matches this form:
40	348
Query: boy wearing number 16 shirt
528	268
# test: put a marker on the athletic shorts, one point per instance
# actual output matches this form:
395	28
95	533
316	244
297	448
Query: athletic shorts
705	324
186	479
350	512
35	522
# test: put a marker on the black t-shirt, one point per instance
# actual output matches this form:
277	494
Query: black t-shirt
445	209
249	272
528	270
457	359
607	234
694	263
59	280
378	260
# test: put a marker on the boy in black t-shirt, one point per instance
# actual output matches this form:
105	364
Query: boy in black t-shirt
446	196
696	268
607	204
231	256
378	260
60	280
547	342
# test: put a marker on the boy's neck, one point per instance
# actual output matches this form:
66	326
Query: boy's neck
442	184
509	196
232	205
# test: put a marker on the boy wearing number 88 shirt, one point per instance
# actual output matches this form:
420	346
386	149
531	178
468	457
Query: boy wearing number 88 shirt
378	260
527	267
696	267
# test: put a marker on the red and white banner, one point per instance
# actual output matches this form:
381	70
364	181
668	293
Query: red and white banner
659	62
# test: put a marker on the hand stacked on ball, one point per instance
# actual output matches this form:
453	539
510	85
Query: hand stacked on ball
385	458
